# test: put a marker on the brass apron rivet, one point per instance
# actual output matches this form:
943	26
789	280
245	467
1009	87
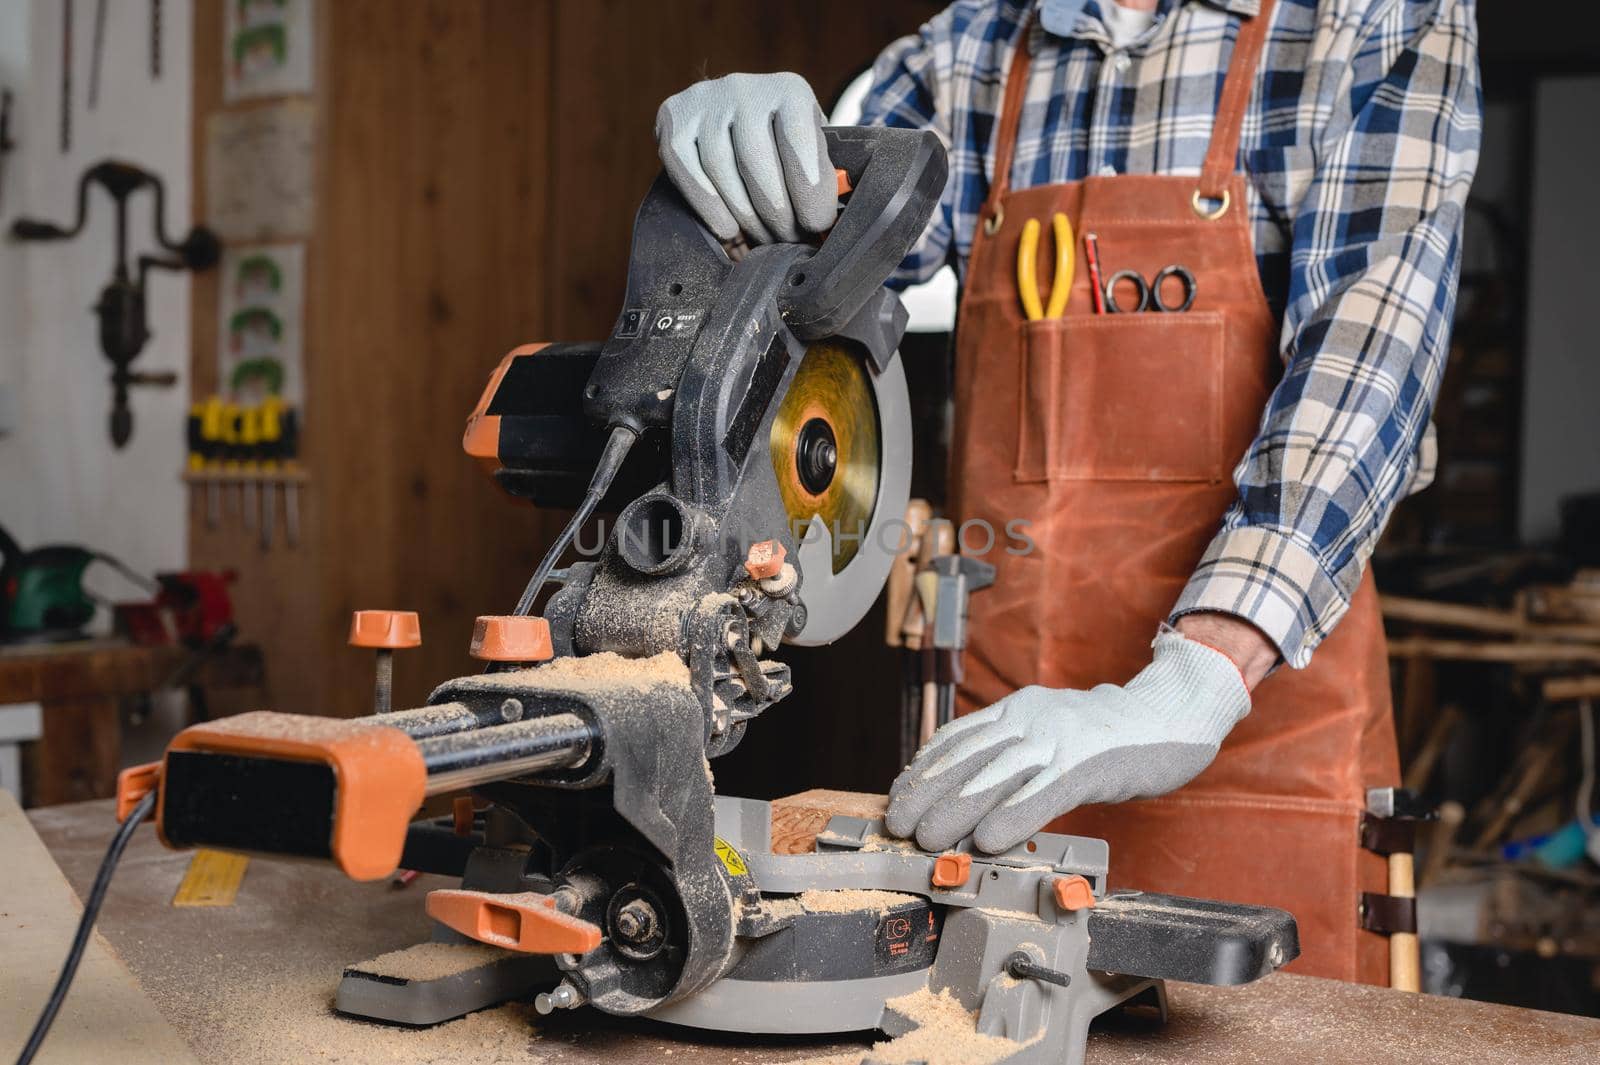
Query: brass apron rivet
1211	215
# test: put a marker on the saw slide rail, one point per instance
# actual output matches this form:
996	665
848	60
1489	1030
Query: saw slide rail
324	788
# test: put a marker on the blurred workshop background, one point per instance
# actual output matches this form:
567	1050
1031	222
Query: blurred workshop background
367	203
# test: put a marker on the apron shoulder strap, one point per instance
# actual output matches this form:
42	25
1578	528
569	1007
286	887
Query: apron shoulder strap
1223	152
1005	145
1220	154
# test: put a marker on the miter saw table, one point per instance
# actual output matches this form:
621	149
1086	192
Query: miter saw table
286	938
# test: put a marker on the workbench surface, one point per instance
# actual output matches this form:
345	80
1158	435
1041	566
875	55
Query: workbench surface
253	982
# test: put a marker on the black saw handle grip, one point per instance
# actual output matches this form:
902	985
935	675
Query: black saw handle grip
897	177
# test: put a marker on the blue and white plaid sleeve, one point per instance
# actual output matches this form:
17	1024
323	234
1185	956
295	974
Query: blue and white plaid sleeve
905	93
1374	262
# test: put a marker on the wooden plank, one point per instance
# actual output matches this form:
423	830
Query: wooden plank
1525	653
46	675
1560	689
106	1017
796	819
1481	619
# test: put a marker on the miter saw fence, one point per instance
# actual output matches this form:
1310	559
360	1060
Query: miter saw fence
735	401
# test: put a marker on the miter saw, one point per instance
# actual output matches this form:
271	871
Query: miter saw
749	424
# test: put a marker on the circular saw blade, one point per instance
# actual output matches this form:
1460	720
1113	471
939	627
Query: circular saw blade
841	452
826	449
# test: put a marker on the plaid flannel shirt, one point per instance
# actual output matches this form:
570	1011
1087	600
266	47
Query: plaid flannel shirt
1360	143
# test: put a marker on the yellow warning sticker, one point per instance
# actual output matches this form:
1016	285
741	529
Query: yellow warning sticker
212	880
732	860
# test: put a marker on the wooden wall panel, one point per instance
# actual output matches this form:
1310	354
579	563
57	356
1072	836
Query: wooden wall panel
480	162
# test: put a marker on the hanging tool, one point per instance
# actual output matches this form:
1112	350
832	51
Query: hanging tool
958	577
97	51
903	623
250	467
212	433
1389	828
121	309
155	40
195	459
1149	293
1091	255
1027	269
271	430
6	143
939	539
66	76
228	449
289	456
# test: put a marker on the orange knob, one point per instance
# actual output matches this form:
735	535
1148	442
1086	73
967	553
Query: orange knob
1073	893
385	630
765	559
951	870
511	638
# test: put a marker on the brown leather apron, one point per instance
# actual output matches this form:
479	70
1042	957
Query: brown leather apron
1116	435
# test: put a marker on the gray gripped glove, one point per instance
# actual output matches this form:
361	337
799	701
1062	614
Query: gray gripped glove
1004	772
747	153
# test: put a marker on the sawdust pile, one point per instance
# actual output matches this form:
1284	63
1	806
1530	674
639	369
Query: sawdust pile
432	961
851	900
602	672
289	1020
946	1034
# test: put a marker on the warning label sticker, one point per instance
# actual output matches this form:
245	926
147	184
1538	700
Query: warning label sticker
732	860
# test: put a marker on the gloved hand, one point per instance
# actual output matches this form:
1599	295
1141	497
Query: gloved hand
747	152
1004	772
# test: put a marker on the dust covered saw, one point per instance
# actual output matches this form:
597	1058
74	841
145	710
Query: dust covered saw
747	421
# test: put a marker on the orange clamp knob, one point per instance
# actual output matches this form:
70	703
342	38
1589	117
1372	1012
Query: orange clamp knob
385	630
526	921
951	870
1073	893
765	559
511	638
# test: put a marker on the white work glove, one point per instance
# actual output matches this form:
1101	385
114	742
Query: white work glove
747	153
1004	772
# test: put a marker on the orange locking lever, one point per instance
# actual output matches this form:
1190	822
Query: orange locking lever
526	921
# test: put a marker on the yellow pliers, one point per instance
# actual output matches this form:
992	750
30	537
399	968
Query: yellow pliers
1027	274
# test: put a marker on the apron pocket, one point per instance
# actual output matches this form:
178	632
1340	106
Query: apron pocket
1122	397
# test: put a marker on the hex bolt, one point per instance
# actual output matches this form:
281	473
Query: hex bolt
511	710
564	997
636	921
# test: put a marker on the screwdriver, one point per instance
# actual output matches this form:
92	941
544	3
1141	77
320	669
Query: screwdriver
211	433
271	442
230	447
249	462
195	462
289	454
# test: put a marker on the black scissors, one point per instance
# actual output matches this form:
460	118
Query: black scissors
1150	297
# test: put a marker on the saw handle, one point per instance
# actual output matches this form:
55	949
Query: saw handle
896	178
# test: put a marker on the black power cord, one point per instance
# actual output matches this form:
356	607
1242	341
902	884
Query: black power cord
616	449
91	910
